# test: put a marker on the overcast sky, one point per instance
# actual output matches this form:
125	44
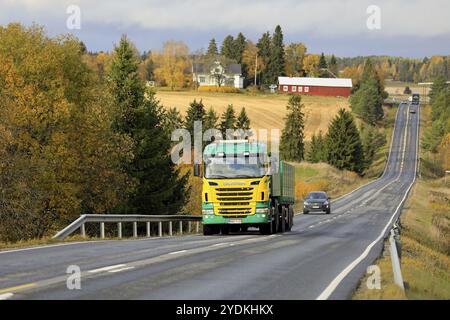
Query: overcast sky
413	28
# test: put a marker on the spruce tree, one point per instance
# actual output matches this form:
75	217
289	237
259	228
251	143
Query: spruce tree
243	122
211	119
212	48
264	45
227	49
239	46
343	143
195	112
276	64
323	66
367	102
317	151
292	146
333	65
228	121
438	85
160	189
172	120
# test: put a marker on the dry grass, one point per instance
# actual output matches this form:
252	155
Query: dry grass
264	111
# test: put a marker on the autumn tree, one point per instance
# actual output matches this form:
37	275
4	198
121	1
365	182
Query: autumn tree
295	53
254	63
311	65
59	156
172	64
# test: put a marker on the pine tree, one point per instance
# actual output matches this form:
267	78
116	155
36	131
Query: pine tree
323	66
227	49
343	143
172	120
195	112
228	121
292	146
211	119
212	48
372	141
243	122
160	189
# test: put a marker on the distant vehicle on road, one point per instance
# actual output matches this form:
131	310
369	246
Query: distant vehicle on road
317	201
412	109
415	99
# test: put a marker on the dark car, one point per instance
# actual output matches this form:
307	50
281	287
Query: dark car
317	201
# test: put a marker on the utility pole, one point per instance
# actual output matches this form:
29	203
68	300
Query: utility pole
256	68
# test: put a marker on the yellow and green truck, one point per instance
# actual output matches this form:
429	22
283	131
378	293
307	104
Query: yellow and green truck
242	188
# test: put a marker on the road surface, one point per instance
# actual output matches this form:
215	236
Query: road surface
324	257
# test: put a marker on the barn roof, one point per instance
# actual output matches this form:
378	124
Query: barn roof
316	82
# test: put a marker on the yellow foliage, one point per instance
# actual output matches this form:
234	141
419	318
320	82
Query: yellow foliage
222	89
302	188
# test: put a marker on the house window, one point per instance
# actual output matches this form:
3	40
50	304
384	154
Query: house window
294	88
306	89
202	79
285	88
300	89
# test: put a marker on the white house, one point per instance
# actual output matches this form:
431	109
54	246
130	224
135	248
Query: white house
230	75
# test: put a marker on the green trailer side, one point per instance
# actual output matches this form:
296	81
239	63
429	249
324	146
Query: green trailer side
283	184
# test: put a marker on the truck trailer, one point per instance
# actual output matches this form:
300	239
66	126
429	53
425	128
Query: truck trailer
243	188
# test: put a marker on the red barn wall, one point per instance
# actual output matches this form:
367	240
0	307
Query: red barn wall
317	91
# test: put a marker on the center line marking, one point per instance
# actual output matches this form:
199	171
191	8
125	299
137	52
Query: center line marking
178	252
107	268
121	269
6	296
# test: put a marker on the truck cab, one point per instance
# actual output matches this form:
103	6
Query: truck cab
241	188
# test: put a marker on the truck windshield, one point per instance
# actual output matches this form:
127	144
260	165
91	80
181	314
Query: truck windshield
220	169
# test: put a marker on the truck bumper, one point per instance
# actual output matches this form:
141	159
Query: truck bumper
253	219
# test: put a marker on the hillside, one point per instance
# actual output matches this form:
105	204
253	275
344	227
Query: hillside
264	111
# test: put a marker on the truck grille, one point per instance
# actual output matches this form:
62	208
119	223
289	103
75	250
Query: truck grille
234	201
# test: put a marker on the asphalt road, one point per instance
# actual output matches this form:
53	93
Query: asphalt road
324	257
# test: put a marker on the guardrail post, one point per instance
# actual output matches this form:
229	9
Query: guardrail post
102	230
135	229
398	279
189	227
181	227
197	227
170	228
83	230
160	228
148	230
119	229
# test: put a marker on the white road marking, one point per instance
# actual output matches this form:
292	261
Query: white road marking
177	252
336	281
6	296
104	269
120	270
52	246
220	244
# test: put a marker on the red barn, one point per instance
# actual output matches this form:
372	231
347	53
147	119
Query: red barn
315	86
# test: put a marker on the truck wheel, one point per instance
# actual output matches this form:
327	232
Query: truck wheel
276	218
291	219
225	230
266	228
244	228
208	230
282	227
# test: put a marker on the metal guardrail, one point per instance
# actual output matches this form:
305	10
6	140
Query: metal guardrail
119	219
395	249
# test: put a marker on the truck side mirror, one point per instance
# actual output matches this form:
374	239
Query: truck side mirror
197	172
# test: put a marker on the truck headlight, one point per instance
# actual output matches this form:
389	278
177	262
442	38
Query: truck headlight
262	210
208	211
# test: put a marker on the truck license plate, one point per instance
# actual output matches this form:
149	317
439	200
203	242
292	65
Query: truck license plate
235	221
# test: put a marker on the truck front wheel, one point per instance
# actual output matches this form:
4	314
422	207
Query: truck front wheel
208	230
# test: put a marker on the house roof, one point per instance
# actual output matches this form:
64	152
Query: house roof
232	68
316	82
